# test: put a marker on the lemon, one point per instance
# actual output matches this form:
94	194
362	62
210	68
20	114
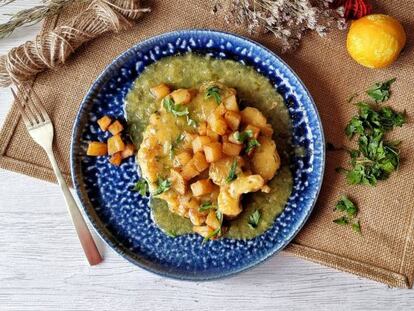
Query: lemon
376	40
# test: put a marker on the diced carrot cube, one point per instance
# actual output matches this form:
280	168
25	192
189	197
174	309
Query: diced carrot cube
179	184
217	123
104	122
182	159
116	159
202	128
212	220
201	187
200	162
231	103
160	91
231	149
115	144
213	135
189	171
116	128
96	149
128	151
255	130
220	110
232	119
199	142
213	152
181	96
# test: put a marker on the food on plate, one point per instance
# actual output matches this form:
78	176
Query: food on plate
116	146
209	135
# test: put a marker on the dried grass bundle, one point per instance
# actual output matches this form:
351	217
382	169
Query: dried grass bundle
288	20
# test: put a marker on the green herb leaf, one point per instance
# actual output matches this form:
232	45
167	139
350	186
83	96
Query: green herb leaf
346	205
241	137
342	221
251	144
177	110
356	227
380	92
163	185
191	122
205	206
254	219
171	234
214	92
232	174
141	187
212	235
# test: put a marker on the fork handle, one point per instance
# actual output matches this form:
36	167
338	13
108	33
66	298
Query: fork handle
84	235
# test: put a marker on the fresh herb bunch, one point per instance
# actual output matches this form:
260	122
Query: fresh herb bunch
232	173
376	158
348	207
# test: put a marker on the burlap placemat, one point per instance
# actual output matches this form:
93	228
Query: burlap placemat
385	251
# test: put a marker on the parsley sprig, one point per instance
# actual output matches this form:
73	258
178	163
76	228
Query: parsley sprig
251	144
205	206
178	110
241	137
163	186
254	219
141	187
380	91
232	173
214	91
348	207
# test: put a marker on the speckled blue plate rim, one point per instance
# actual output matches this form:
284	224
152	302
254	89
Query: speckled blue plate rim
106	234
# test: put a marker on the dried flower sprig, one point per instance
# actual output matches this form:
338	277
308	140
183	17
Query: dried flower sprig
286	19
33	15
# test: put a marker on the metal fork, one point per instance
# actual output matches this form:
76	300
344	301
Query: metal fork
40	129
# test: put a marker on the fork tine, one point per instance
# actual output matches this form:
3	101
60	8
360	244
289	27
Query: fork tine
29	104
26	120
39	105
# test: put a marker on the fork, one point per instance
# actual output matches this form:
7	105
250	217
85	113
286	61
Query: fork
40	128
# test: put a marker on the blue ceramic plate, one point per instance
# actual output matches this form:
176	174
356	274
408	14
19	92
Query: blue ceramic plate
122	217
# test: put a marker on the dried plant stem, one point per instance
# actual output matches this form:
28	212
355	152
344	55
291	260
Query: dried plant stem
286	19
33	15
52	48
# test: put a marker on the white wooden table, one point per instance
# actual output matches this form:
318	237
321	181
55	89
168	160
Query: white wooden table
42	267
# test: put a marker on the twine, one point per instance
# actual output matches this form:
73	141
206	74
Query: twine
51	49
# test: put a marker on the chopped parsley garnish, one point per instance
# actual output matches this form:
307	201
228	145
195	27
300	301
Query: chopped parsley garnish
356	226
163	185
141	187
205	206
175	144
375	158
241	137
171	234
191	122
345	205
214	92
232	173
177	110
342	221
212	235
380	92
254	219
251	144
